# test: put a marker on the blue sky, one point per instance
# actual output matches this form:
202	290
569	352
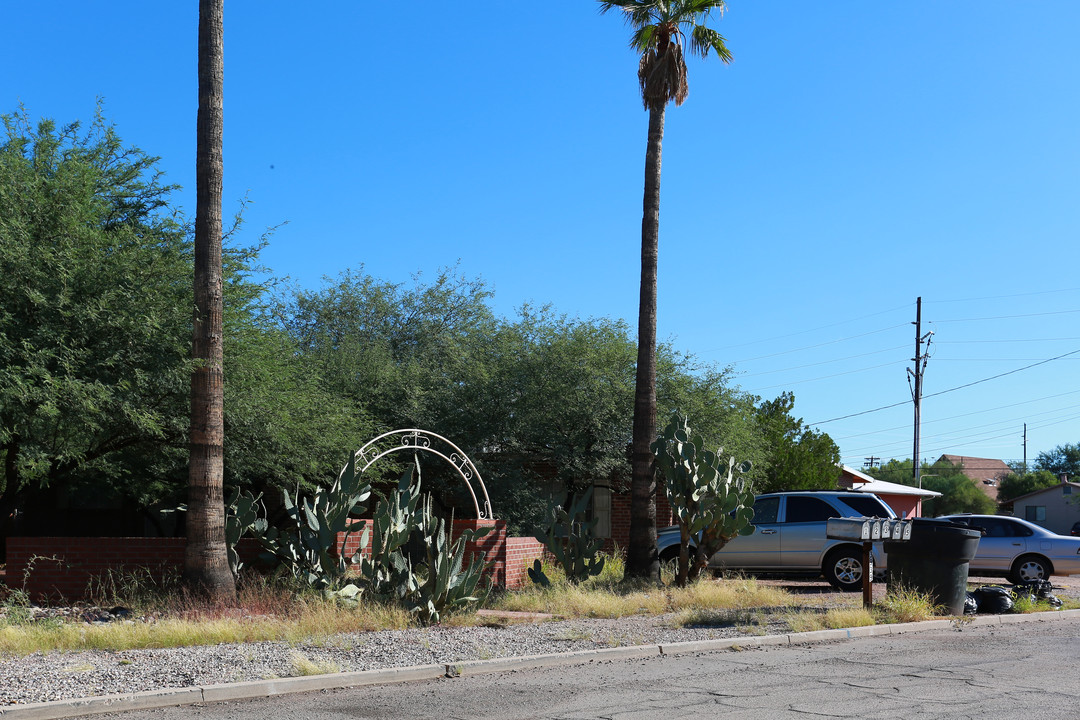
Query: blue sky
855	156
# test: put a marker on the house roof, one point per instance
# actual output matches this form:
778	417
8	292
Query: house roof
866	483
980	468
986	473
1058	486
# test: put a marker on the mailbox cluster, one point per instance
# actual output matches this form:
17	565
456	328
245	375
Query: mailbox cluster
866	529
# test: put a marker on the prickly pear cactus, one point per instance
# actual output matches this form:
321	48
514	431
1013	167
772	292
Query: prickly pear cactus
710	499
571	540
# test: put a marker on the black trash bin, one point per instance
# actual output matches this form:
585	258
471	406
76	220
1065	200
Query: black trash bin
934	561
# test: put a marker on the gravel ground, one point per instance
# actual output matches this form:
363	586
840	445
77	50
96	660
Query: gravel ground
61	675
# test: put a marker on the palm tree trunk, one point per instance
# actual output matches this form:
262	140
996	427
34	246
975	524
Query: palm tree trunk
642	560
206	563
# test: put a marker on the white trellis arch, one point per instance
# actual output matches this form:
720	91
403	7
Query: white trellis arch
414	439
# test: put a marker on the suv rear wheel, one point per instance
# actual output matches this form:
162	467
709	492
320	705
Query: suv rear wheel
843	569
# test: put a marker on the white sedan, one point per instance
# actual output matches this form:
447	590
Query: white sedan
1020	550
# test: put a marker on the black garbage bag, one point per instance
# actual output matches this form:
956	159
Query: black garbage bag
971	605
993	599
1037	590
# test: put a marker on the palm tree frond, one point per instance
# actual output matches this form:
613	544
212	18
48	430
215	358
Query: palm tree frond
702	8
643	38
639	13
659	35
703	39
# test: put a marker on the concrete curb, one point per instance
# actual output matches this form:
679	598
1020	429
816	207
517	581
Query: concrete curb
266	688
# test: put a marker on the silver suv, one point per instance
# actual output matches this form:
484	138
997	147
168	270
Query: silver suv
789	536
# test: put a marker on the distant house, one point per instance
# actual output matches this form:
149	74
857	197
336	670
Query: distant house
986	473
905	501
1055	508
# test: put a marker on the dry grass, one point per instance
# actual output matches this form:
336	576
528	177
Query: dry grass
703	602
805	620
269	612
277	612
303	666
902	605
736	592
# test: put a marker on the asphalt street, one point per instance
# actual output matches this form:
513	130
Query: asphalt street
1022	669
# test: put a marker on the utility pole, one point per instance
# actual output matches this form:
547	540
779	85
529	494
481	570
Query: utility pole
917	375
1025	448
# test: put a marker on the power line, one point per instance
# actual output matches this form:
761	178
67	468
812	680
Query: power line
823	377
1007	317
1009	297
1001	375
942	392
947	439
829	342
803	332
986	359
974	412
1028	340
824	362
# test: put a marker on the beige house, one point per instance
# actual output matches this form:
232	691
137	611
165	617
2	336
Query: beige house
1055	508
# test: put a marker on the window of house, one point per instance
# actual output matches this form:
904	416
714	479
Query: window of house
601	511
1035	513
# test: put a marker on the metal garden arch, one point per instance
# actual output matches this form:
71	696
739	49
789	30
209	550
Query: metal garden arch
414	439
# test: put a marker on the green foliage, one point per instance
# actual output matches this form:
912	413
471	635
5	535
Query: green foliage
1062	460
959	494
429	354
797	457
95	335
706	394
1016	484
95	323
570	539
588	366
710	503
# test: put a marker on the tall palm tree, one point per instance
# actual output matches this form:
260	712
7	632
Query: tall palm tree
662	31
206	563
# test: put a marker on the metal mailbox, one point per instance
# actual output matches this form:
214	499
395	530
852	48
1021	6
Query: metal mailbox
866	529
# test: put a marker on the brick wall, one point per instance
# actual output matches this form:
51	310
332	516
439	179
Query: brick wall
520	554
64	567
620	520
55	567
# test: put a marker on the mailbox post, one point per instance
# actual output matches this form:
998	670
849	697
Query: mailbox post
867	531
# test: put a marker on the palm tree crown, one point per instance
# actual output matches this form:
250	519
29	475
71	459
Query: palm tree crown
660	34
